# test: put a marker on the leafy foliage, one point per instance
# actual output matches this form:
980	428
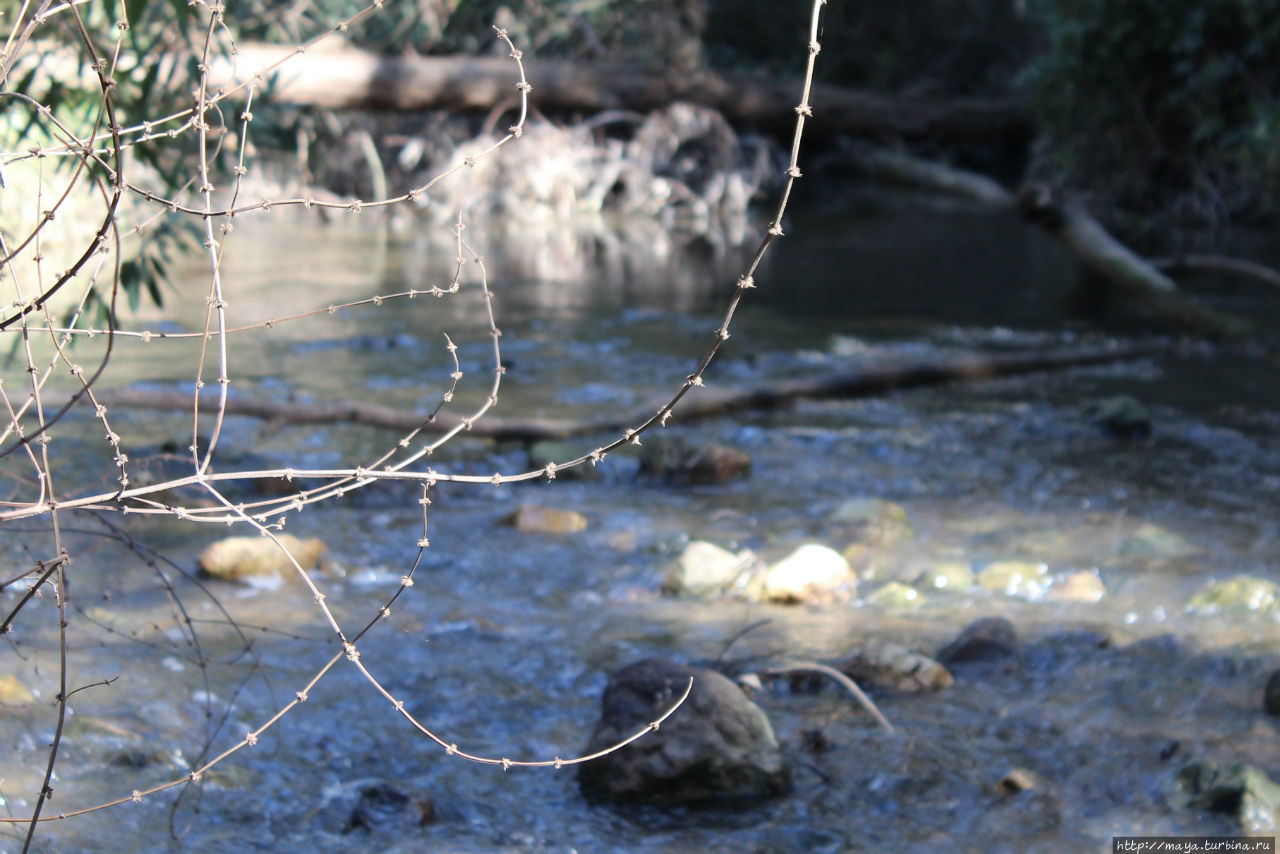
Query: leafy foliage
1159	102
147	85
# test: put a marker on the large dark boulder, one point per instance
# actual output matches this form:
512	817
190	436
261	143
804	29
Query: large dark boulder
717	746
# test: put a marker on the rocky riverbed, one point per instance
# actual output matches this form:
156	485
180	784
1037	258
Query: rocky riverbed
1070	629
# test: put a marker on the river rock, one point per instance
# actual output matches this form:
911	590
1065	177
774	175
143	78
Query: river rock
1271	694
1153	543
990	639
138	756
384	807
1240	594
893	667
13	692
895	596
676	461
952	576
1234	788
811	573
1123	415
258	560
1015	578
1081	586
705	569
1016	781
872	520
534	519
860	557
717	746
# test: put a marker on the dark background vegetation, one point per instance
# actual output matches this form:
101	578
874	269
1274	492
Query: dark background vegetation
1152	106
1163	115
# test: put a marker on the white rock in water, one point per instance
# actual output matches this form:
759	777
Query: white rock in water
705	569
811	573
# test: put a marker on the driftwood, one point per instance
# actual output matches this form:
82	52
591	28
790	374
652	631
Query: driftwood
899	168
1088	240
346	77
699	403
1121	267
1241	267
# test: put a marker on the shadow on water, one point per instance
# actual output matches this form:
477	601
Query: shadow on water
506	640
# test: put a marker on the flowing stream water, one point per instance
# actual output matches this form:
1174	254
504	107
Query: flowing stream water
506	639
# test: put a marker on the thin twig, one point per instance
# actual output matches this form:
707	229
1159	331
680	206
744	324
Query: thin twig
842	679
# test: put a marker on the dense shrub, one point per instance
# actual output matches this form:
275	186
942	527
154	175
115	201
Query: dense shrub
1163	104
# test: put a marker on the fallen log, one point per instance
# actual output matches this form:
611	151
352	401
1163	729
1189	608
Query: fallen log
700	403
1221	264
1097	250
350	78
1121	267
901	169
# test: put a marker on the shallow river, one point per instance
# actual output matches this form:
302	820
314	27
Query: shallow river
505	641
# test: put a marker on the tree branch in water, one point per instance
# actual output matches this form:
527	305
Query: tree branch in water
699	403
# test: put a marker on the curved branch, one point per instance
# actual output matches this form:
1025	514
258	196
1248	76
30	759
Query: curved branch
1242	267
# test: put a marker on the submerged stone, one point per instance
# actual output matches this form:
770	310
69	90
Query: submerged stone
1241	594
676	461
259	560
1271	695
860	557
534	519
136	757
893	667
13	692
873	520
1015	578
895	596
1081	586
1234	788
717	746
952	576
990	639
1123	415
1151	542
384	807
1017	781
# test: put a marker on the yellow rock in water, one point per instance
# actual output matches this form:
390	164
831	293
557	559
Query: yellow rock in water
532	519
1015	578
259	560
1081	586
13	692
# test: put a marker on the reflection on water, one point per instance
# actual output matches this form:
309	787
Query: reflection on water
506	639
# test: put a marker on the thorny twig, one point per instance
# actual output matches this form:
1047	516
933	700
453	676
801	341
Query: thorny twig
101	153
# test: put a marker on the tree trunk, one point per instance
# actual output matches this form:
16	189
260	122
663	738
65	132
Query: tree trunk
347	77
